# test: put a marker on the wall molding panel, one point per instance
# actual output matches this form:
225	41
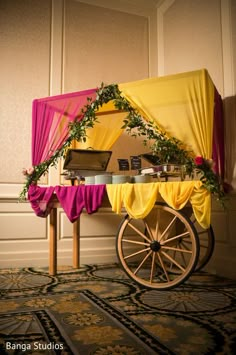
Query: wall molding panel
56	54
161	10
227	50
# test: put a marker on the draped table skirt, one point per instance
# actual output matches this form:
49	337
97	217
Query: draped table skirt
137	199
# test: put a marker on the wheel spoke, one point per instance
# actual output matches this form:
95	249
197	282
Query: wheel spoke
136	253
177	249
163	267
175	238
172	260
160	251
186	247
158	217
182	255
136	242
204	246
187	242
149	230
139	232
202	232
153	267
142	262
207	243
167	228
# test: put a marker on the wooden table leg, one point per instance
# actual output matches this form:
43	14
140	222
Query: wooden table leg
53	242
76	244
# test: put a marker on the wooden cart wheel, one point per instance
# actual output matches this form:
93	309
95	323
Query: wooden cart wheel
160	251
206	243
206	240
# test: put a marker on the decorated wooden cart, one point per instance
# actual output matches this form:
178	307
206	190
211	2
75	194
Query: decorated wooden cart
166	233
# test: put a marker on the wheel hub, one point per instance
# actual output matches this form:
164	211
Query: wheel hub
155	246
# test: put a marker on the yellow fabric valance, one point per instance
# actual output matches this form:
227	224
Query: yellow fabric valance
139	199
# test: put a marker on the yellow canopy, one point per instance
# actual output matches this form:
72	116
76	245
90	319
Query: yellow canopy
181	104
106	130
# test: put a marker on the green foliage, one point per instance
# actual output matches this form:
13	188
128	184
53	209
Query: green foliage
167	149
210	180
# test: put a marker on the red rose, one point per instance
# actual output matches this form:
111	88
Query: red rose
199	160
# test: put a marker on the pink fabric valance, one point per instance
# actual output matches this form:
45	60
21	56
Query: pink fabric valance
73	199
137	199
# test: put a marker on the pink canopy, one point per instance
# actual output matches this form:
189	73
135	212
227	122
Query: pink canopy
50	121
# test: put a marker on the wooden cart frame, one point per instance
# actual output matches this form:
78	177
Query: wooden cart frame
160	251
156	251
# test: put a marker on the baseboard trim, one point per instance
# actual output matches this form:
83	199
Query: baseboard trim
34	259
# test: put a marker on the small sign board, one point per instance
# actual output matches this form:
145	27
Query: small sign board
123	164
135	162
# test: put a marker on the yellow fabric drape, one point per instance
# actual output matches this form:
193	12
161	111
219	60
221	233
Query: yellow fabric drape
201	204
139	199
181	104
106	130
177	194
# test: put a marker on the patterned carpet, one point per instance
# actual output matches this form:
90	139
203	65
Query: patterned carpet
98	310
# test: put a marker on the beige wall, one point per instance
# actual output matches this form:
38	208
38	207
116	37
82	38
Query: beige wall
53	46
102	45
192	38
25	74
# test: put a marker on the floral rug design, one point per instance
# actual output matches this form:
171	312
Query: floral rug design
98	310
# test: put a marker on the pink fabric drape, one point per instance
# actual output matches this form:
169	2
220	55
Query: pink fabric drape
73	199
40	198
218	136
50	119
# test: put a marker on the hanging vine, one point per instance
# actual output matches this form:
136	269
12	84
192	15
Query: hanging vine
167	149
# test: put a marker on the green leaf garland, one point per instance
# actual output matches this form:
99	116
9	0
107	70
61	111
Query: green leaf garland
168	149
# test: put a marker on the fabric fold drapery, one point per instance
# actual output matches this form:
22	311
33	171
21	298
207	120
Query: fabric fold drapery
139	199
188	100
40	198
106	130
201	205
50	121
72	199
177	101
